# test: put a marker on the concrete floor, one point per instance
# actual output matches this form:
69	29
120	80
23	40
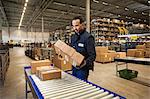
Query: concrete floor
103	75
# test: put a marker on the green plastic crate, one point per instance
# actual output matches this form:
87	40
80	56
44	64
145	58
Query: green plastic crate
128	74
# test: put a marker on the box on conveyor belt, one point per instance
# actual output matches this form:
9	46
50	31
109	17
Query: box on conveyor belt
101	49
76	59
121	55
42	68
35	64
131	52
61	63
140	47
50	74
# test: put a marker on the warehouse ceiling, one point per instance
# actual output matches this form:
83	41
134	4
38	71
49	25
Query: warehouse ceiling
58	13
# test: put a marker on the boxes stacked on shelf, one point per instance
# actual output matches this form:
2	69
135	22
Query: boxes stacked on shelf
104	55
121	55
68	53
140	53
131	52
35	64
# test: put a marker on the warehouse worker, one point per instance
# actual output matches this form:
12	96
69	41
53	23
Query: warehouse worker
84	43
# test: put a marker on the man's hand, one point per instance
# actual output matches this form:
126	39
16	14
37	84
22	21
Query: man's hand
83	63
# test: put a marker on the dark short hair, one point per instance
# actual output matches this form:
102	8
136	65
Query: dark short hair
80	18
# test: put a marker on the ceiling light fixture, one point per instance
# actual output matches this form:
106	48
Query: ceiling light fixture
96	1
25	4
105	3
135	11
117	7
126	9
23	12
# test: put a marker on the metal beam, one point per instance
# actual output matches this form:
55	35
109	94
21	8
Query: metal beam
3	13
42	7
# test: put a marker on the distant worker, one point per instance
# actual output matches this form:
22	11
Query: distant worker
84	43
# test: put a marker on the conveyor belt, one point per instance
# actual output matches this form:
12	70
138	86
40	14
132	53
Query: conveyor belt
70	87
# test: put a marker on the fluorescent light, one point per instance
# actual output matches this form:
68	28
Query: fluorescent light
126	9
27	0
19	28
104	3
25	4
119	15
96	1
24	8
117	7
135	11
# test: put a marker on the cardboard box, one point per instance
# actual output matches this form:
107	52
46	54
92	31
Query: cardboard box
147	44
61	63
104	57
76	58
140	47
131	52
121	55
139	54
112	54
35	64
101	49
147	54
42	68
50	74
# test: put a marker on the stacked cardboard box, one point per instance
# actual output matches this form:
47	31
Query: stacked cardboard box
68	53
35	64
61	63
140	47
147	44
121	55
147	52
131	52
48	73
140	53
104	55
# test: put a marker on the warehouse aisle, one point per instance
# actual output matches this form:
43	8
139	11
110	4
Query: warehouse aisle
14	87
103	75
